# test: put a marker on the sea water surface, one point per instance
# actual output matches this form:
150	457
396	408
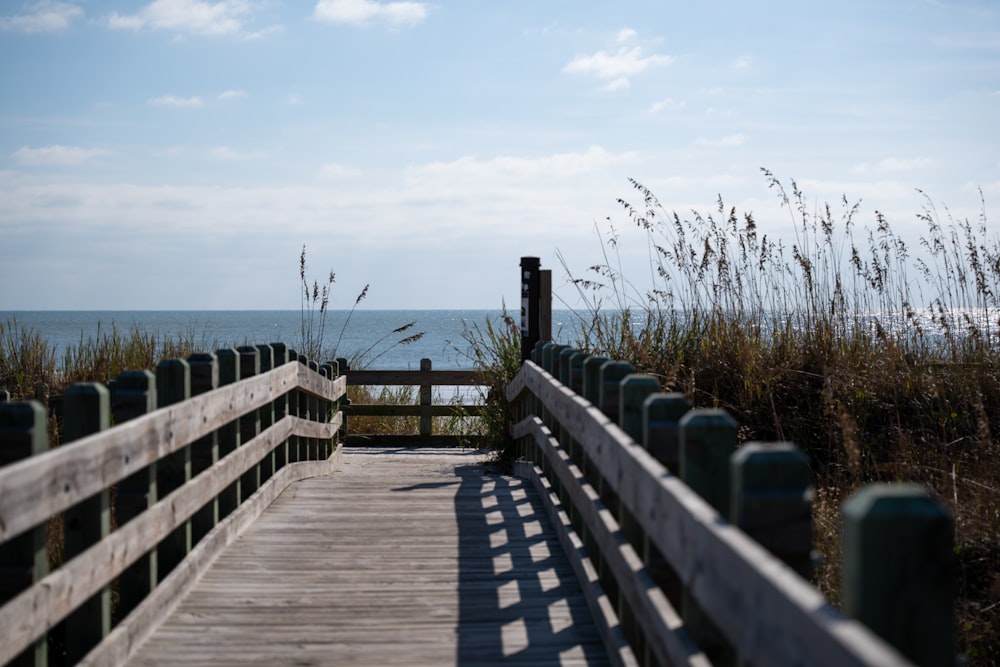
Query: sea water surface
367	334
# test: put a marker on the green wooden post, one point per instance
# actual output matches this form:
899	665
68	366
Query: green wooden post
229	435
205	452
660	431
708	437
173	385
592	378
249	423
329	371
24	559
266	360
135	395
426	397
344	367
313	402
576	372
635	388
280	405
612	374
563	365
898	569
86	410
538	351
771	500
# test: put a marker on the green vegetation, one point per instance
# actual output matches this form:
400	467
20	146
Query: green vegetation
880	364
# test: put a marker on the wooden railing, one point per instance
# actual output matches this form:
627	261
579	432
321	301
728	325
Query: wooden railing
694	551
198	450
425	409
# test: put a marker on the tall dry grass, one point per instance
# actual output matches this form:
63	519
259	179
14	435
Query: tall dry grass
881	361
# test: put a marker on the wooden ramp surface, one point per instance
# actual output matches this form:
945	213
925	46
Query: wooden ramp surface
405	557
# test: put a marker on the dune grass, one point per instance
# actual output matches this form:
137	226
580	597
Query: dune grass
881	362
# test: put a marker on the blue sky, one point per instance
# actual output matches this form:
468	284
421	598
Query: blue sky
179	153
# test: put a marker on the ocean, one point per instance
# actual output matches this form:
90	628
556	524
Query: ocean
363	333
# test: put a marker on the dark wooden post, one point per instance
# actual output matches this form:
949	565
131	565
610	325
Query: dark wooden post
313	402
592	378
250	422
24	559
708	437
266	360
898	569
204	452
329	371
576	372
771	500
612	373
426	398
344	368
86	410
660	433
134	396
635	388
173	385
530	302
280	406
229	435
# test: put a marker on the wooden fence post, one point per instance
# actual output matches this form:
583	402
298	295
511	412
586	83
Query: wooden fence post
635	388
898	569
329	371
343	367
204	452
86	410
660	431
592	378
135	395
612	374
266	360
771	500
530	303
24	559
313	402
426	398
249	423
229	435
707	440
173	385
280	406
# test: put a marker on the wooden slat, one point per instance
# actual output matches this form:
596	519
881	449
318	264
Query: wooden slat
446	378
30	614
39	487
403	557
361	440
363	410
764	608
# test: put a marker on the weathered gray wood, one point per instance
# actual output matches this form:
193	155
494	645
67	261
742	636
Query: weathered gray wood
447	378
173	386
660	622
204	452
481	579
426	398
29	614
36	488
771	614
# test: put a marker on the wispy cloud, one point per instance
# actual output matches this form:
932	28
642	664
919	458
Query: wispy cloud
232	94
174	101
892	165
226	153
723	142
619	65
195	17
665	104
43	16
56	155
335	171
360	12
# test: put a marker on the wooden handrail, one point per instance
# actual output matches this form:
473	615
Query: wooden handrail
769	613
36	488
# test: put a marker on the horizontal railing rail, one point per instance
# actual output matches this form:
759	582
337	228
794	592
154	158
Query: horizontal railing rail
182	476
427	379
688	582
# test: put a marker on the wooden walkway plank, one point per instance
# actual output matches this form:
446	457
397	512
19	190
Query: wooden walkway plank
404	557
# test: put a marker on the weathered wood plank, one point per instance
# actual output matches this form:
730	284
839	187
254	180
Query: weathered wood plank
446	378
36	488
764	608
403	557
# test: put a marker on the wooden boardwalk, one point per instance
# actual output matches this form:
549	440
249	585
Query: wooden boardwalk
404	557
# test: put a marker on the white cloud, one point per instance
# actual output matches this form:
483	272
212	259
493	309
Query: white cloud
334	171
56	155
723	142
173	101
625	35
620	65
743	62
226	17
232	94
226	153
43	16
666	103
892	165
621	83
358	12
